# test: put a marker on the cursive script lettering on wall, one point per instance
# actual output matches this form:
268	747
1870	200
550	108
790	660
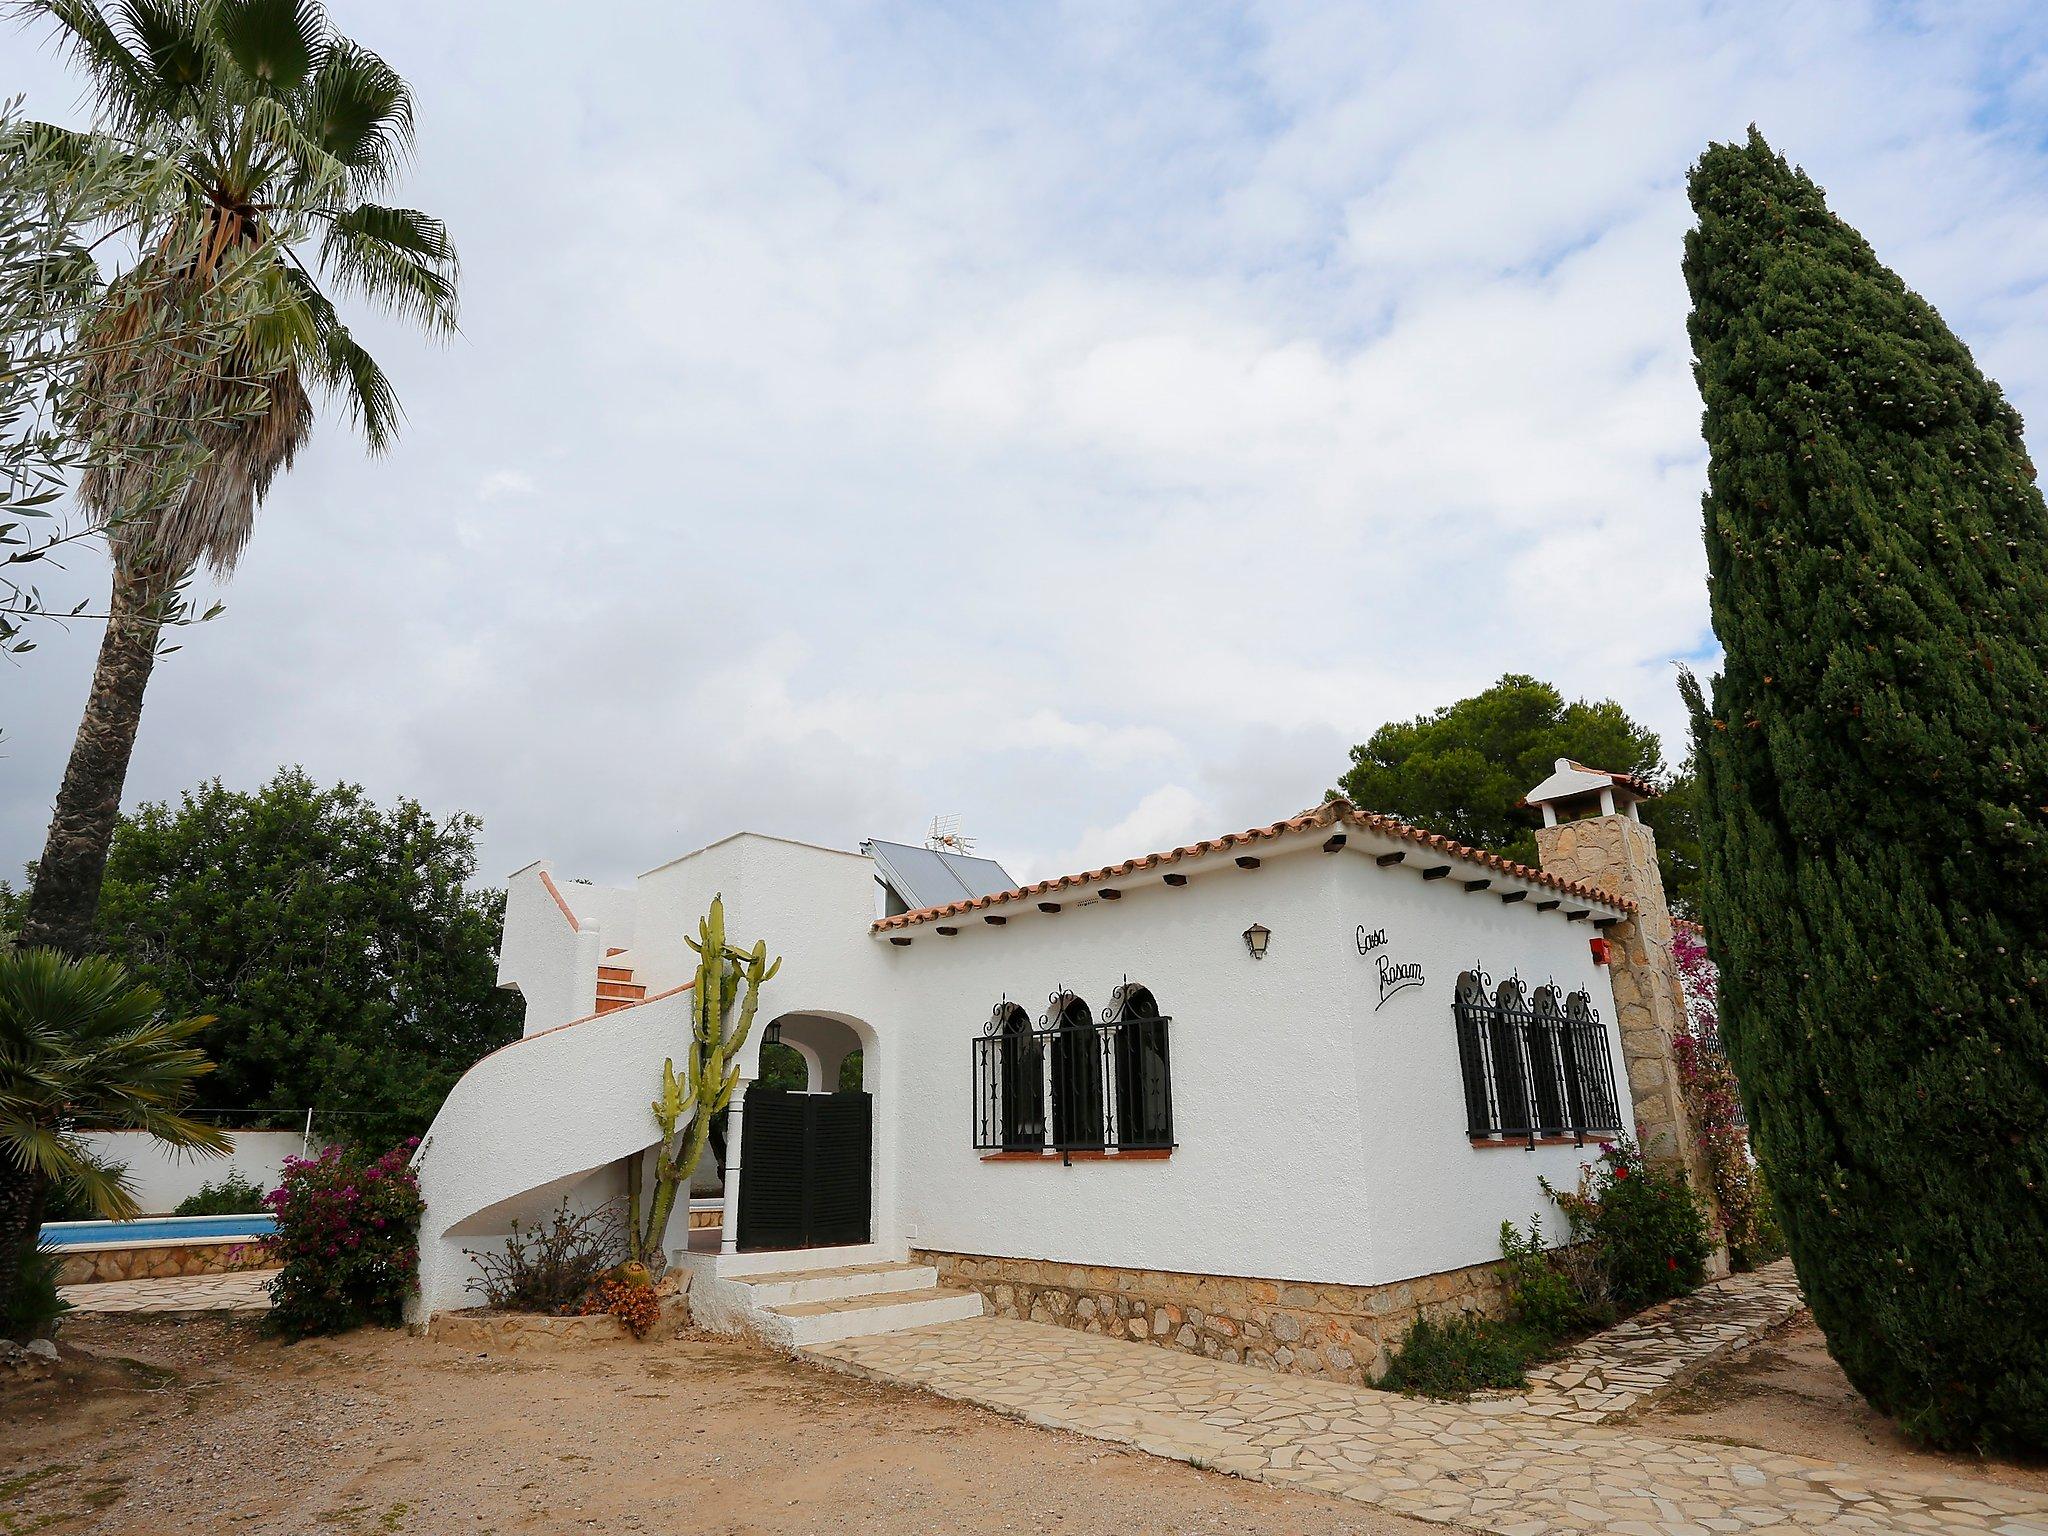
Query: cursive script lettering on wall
1396	976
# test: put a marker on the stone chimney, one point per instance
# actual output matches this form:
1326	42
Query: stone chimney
1592	833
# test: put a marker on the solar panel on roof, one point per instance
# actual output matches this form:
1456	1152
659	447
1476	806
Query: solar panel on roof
924	877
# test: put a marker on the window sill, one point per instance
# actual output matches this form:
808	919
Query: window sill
1133	1154
1523	1144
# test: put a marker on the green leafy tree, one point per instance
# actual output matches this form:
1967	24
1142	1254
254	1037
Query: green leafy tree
282	135
1462	770
350	968
82	1048
1874	800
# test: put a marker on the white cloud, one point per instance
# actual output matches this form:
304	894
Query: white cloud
1073	419
500	484
1169	817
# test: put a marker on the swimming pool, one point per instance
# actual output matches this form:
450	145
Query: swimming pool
154	1229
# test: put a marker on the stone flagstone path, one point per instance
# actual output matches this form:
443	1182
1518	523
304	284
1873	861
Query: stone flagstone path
1490	1466
1634	1363
244	1291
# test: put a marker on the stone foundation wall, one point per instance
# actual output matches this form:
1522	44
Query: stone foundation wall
1340	1332
526	1330
162	1261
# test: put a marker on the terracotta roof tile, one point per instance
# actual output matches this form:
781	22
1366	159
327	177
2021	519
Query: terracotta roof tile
1329	814
1643	789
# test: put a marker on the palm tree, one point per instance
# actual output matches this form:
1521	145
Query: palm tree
283	132
83	1048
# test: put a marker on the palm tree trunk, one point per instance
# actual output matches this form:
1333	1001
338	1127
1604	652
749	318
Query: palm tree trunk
21	1219
65	899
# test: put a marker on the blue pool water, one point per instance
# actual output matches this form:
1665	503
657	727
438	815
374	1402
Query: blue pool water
154	1229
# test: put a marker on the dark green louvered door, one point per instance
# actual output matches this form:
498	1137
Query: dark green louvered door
804	1169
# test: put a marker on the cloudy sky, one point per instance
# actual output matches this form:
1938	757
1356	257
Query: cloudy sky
1085	420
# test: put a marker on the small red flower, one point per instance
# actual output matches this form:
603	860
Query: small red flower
1671	1263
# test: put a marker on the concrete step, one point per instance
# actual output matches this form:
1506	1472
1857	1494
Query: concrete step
767	1263
836	1284
851	1317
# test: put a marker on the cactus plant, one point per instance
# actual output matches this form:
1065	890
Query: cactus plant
722	1003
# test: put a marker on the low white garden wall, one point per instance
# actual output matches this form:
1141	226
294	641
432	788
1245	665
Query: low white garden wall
162	1175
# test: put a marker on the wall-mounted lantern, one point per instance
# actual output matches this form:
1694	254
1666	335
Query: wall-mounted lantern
1255	938
772	1035
1599	948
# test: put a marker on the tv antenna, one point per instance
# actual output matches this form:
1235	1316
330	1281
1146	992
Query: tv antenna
946	836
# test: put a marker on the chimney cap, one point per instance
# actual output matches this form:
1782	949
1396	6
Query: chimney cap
1572	781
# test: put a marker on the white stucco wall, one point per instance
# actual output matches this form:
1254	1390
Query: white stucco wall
544	954
1436	1200
161	1175
1320	1136
548	1115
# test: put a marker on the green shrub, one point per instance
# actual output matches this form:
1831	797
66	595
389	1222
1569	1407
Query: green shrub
232	1196
348	1238
1461	1355
1539	1294
31	1309
553	1266
1645	1223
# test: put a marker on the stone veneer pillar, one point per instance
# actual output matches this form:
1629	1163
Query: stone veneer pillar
1618	854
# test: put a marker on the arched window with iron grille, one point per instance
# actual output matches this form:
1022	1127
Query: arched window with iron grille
1021	1072
1508	1039
1592	1065
1532	1068
1144	1082
1547	1078
1077	1073
1472	1011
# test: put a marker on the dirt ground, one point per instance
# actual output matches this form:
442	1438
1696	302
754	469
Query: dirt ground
1785	1393
204	1425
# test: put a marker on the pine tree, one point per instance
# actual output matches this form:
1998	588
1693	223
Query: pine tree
1874	800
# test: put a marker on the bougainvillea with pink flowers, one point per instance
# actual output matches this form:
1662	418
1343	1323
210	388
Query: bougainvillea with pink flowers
1714	1102
348	1237
1645	1224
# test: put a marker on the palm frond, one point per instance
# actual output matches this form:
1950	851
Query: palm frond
276	43
174	53
343	367
360	111
81	1045
107	1190
280	150
398	257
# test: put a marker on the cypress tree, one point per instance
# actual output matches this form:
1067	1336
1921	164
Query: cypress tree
1874	800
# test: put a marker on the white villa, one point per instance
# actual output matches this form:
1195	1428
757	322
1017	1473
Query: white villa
1266	1096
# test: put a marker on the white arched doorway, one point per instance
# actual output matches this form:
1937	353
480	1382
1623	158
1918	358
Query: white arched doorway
802	1160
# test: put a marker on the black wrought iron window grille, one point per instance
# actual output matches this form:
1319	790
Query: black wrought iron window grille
1534	1065
1073	1082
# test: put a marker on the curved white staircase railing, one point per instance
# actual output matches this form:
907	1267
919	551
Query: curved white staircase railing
531	1120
